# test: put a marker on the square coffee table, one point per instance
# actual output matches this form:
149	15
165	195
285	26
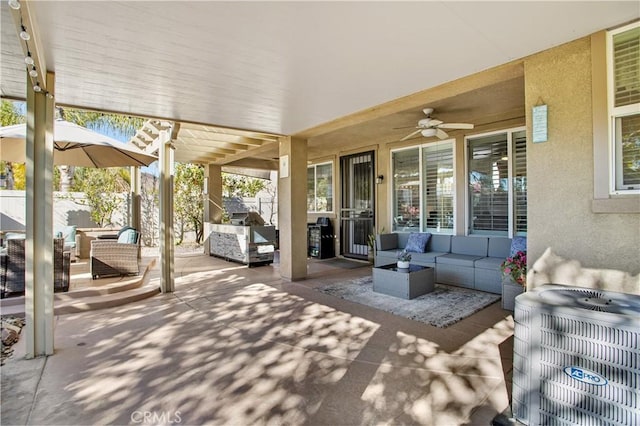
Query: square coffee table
405	283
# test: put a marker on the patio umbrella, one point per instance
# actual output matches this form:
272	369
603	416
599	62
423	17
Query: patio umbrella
74	146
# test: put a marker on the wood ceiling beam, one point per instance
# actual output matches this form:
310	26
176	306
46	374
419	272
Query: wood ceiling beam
256	163
249	153
216	136
204	148
223	144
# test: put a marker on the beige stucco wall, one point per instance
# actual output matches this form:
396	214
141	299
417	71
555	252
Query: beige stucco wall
561	170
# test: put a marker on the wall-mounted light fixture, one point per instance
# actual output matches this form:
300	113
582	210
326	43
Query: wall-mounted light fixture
379	179
205	186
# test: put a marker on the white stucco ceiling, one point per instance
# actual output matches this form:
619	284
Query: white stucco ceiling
280	67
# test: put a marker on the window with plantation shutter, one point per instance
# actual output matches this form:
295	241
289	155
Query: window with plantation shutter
626	64
438	184
497	181
406	190
519	141
488	184
624	107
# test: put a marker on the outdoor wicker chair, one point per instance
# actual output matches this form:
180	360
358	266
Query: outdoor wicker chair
110	257
13	267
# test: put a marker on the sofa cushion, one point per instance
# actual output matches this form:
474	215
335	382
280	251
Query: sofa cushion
518	244
439	243
386	242
417	242
471	246
489	263
499	247
422	258
458	259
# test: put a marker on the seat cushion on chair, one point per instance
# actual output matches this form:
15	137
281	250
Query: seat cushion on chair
128	236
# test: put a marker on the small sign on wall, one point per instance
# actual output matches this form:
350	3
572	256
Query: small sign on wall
284	166
539	123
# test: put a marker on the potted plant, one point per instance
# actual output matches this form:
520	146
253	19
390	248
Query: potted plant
404	257
371	242
514	278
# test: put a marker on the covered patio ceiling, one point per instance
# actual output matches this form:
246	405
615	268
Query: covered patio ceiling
329	71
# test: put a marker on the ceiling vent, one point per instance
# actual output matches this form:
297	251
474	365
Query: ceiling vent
576	357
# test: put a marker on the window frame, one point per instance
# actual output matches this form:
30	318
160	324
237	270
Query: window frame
420	147
511	228
314	166
613	113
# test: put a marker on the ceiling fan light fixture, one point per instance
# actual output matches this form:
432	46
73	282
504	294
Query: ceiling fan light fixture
427	133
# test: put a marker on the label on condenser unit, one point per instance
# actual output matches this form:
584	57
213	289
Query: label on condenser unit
585	376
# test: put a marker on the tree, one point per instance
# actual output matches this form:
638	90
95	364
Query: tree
187	200
150	204
102	188
241	186
13	173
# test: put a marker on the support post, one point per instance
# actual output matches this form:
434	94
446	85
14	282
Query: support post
39	221
292	208
136	219
165	151
213	204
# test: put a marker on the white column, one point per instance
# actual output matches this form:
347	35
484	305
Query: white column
213	204
165	152
292	208
135	218
39	221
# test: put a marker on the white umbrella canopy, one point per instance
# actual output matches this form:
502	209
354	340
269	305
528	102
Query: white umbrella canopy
74	146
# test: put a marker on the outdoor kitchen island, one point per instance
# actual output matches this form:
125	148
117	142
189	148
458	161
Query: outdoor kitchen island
246	239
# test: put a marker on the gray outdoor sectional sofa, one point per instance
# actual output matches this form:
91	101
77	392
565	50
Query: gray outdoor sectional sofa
472	262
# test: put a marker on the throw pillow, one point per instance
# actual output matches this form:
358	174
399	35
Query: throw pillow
127	237
518	244
417	242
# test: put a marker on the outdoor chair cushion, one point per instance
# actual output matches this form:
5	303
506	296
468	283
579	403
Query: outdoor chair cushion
69	235
128	236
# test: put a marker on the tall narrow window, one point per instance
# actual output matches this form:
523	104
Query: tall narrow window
320	188
406	190
438	180
489	185
519	141
624	107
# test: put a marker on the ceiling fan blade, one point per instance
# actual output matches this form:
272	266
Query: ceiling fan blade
410	135
456	126
434	122
441	134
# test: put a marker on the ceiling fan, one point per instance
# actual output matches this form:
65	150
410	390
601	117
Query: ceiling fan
430	126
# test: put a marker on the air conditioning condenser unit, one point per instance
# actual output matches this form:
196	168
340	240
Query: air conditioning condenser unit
576	357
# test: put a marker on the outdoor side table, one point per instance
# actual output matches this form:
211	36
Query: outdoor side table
404	283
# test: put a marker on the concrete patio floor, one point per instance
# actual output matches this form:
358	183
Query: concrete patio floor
238	346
